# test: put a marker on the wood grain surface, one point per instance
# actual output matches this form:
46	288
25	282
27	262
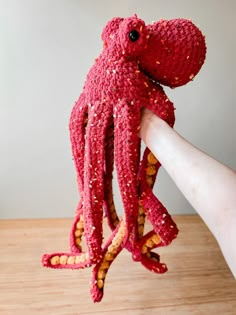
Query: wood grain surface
198	280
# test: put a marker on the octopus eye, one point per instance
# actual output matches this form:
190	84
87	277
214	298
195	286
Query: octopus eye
134	35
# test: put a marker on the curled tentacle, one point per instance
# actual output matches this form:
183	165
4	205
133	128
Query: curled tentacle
160	219
147	174
149	205
155	211
165	229
66	260
111	249
149	166
157	214
152	263
143	252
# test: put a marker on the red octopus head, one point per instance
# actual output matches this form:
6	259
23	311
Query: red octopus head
176	52
170	52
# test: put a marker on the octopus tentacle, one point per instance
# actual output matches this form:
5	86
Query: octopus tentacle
77	229
147	176
109	206
111	249
149	259
151	240
66	260
149	205
127	154
98	120
163	107
141	220
160	219
162	222
151	262
148	170
77	126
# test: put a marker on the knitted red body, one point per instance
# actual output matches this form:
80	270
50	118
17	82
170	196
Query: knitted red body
104	128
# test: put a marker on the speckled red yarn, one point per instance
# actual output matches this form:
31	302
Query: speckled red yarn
104	129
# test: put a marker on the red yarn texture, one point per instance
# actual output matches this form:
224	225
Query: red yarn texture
104	130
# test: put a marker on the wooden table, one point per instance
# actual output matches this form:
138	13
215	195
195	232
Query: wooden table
198	281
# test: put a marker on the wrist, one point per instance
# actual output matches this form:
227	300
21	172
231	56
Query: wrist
150	128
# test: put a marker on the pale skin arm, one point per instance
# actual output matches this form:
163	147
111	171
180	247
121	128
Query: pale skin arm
208	185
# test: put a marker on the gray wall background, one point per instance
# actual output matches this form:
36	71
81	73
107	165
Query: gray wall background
46	49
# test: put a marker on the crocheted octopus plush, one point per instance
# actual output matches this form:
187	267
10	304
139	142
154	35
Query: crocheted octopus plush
104	130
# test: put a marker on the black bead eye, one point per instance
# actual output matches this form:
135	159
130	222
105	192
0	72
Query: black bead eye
134	35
